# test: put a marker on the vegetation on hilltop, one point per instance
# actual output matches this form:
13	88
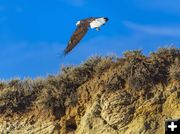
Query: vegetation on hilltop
55	93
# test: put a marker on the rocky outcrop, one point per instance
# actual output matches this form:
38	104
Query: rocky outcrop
122	112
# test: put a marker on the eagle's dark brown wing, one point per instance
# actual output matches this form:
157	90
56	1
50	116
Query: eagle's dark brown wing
76	37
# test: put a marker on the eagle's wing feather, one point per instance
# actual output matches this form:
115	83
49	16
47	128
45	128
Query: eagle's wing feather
76	37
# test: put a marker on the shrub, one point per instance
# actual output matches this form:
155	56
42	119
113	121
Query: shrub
104	64
15	100
132	55
161	62
54	95
18	95
2	85
13	82
135	70
175	70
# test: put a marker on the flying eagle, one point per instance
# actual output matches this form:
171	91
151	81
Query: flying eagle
82	28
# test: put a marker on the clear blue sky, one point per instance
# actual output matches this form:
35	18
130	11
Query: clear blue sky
34	32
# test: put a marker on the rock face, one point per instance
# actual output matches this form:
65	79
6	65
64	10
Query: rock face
121	112
130	95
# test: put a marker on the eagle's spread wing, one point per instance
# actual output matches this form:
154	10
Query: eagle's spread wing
76	37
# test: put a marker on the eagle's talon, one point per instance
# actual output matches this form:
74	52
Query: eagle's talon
98	29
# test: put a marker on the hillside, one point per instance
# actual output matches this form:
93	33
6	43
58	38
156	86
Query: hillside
105	95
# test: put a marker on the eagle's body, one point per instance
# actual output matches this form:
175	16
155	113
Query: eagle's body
81	30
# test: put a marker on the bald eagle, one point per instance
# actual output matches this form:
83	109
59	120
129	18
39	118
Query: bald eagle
82	28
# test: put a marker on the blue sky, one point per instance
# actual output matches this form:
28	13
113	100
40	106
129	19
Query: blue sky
34	32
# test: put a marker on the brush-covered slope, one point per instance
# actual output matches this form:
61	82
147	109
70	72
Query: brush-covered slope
105	95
